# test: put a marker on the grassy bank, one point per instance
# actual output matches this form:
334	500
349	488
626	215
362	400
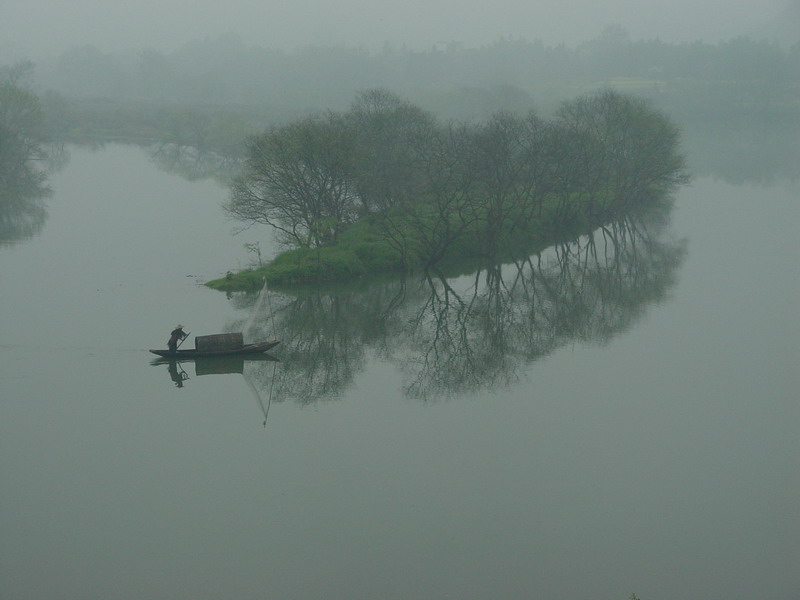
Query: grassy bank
364	250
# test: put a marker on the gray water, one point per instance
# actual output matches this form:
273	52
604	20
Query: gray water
575	433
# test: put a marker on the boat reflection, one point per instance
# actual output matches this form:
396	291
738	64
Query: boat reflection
216	365
222	365
176	373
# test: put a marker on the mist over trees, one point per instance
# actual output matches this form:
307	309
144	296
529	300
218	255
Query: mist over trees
209	95
453	81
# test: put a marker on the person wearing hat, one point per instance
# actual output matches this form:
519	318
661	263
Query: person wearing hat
177	334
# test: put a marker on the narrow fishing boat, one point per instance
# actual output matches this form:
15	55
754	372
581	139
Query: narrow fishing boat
194	353
222	344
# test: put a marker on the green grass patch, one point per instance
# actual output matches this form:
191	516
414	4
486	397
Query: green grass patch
364	250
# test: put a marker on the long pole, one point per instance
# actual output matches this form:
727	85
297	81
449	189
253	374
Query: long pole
183	340
271	314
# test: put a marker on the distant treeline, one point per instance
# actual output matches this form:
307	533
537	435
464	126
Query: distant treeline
226	71
453	81
728	97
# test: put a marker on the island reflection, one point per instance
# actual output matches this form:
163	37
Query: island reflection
454	336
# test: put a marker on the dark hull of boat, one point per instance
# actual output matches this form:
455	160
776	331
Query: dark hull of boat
243	351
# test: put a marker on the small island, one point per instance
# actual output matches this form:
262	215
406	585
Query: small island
386	188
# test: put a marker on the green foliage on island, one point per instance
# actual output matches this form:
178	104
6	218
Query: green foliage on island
385	187
362	252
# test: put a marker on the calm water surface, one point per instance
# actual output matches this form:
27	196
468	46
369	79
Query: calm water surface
576	433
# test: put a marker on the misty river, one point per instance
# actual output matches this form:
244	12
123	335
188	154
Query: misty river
601	421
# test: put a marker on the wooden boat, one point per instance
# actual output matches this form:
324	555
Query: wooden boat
246	349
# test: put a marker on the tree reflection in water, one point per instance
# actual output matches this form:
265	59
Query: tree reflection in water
190	163
23	192
22	213
452	336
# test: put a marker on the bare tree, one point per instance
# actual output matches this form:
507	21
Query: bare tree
390	132
299	179
621	149
509	163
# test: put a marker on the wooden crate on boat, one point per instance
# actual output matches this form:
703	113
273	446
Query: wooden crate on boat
219	341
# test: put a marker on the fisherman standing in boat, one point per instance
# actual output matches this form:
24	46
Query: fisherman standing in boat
177	334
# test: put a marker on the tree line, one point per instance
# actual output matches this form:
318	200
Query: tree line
387	170
24	153
507	74
206	93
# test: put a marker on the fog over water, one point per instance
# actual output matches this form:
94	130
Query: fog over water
646	441
41	27
612	418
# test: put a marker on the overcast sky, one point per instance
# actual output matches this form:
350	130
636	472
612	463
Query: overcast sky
41	27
